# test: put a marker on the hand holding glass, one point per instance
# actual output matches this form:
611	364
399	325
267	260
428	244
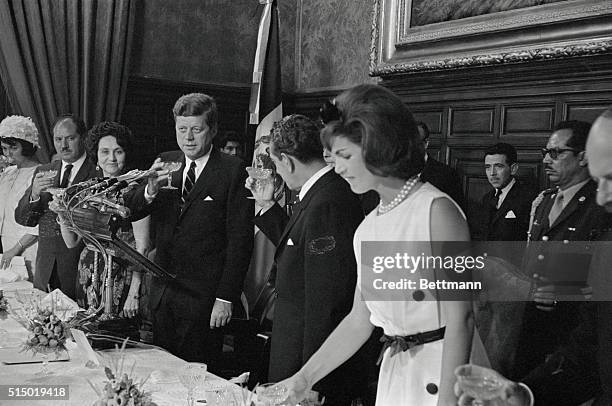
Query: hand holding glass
262	176
480	383
170	166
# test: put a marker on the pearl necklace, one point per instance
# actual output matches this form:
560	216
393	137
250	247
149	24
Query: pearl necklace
401	196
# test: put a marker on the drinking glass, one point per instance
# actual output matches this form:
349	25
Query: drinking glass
271	394
191	376
45	352
4	162
479	386
262	176
171	166
49	174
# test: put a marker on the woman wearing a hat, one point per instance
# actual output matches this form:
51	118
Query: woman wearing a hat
19	140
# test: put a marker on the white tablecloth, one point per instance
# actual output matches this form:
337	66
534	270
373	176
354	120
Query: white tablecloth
163	384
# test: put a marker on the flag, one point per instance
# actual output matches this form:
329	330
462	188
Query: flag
265	109
265	106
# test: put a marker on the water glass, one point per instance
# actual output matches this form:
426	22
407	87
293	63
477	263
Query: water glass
171	166
271	394
479	386
191	376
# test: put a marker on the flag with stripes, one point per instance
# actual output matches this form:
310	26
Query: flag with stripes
265	109
265	106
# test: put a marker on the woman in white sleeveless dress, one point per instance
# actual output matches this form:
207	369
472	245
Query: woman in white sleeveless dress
375	143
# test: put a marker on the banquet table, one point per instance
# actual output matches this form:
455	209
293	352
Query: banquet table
160	366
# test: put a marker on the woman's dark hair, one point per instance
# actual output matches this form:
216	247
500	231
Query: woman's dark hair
376	119
27	148
122	134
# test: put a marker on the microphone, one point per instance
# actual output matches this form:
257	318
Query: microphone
111	207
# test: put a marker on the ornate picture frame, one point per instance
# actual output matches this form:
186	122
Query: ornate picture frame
557	30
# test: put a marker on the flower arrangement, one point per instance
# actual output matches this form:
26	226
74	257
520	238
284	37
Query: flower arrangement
120	389
3	302
48	333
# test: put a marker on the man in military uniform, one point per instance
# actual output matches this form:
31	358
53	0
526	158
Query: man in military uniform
557	258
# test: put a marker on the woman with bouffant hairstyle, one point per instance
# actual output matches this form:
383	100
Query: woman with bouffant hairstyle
376	146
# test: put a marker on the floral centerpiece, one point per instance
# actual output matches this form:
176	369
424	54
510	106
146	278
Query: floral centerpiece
48	333
120	388
3	302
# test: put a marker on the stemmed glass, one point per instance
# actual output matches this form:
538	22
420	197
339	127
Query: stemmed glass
271	394
262	176
4	162
480	387
191	376
171	166
45	352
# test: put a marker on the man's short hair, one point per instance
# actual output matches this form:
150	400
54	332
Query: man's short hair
505	149
298	136
78	122
196	104
580	132
425	129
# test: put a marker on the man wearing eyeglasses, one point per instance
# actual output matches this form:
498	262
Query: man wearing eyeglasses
564	218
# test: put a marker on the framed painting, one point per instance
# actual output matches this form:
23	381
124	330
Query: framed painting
420	35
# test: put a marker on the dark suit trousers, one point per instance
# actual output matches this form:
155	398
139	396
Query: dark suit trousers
181	325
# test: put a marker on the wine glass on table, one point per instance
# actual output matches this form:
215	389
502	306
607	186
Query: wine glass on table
191	376
170	166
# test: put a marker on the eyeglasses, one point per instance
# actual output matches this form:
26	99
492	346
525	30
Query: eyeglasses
554	152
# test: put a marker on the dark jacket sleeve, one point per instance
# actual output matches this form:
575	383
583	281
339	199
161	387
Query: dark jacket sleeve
272	223
29	213
239	231
330	271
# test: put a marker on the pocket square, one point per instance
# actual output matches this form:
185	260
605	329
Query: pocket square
208	199
289	242
510	215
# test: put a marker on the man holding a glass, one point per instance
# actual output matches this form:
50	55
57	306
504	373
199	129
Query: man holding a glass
56	264
203	228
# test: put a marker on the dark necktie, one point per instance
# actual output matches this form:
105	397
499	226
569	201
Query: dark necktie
66	176
495	200
189	181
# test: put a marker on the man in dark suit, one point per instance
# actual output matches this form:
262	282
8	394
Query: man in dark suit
316	269
203	231
56	265
569	376
508	204
438	174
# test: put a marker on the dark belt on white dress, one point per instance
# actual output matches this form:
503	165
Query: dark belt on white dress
404	343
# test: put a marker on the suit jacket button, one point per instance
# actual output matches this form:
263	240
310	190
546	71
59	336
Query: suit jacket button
418	295
545	238
540	257
432	388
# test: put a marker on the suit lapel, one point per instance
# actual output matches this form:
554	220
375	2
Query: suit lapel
506	203
177	177
204	180
301	206
585	193
85	171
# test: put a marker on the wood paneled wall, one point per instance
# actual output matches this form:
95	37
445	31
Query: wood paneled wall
470	109
148	112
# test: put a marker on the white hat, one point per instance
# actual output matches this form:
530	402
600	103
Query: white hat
19	127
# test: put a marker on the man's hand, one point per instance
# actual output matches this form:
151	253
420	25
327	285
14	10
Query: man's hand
263	191
40	183
221	314
509	393
8	255
157	176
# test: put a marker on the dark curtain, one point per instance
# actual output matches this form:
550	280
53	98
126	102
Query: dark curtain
65	56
